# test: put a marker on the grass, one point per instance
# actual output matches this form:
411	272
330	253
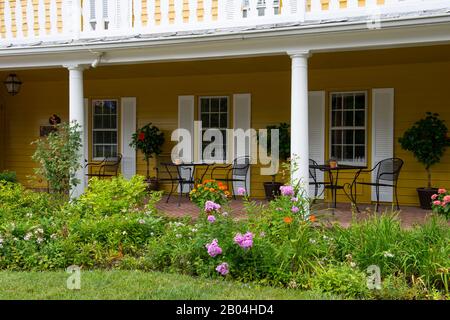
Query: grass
137	285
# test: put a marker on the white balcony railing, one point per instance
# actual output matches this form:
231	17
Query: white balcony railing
27	21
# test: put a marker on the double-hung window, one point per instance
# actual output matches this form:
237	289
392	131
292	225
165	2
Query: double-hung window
104	129
348	130
214	114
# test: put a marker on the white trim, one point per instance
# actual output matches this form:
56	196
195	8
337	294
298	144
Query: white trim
324	38
86	136
315	129
366	110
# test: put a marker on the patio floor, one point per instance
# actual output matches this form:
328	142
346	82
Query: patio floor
342	214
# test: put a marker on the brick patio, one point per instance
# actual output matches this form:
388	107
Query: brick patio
342	214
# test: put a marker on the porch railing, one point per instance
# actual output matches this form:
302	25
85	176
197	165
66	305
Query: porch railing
26	21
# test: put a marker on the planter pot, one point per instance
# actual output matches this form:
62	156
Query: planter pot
425	197
272	189
152	184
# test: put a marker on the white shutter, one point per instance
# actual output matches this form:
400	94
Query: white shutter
242	120
186	121
128	127
316	124
382	134
86	138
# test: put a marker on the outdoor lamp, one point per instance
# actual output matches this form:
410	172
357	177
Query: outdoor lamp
12	84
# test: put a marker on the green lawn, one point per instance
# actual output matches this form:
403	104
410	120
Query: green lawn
136	285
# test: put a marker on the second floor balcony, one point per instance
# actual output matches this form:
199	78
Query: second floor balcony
31	22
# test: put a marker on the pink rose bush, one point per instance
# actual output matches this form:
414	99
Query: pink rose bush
244	241
213	248
223	268
441	202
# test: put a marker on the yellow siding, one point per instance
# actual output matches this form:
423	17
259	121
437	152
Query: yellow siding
418	88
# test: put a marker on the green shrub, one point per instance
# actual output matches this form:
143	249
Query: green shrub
342	280
8	176
114	196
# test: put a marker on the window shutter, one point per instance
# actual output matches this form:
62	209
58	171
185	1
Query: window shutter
128	127
186	121
242	120
316	124
382	134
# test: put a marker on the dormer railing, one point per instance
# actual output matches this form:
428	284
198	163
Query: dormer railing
28	21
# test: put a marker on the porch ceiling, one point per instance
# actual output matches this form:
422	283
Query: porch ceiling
348	59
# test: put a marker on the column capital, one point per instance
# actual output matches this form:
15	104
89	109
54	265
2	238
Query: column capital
299	53
75	66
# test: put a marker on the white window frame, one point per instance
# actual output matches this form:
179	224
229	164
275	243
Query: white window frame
200	146
94	130
366	110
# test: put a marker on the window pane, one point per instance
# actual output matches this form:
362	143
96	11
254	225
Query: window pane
98	137
215	102
205	120
360	101
98	122
360	137
348	119
360	154
223	105
98	151
107	151
114	151
336	137
359	118
348	137
348	153
214	120
336	102
113	122
98	108
336	152
107	137
223	120
204	105
348	101
114	137
106	122
337	119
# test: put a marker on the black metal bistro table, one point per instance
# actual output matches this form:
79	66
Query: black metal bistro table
184	174
333	175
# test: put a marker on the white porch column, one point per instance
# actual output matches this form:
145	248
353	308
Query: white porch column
299	118
76	113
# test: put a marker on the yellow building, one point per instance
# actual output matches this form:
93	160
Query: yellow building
348	82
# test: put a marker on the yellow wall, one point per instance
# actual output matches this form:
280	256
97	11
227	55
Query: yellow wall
419	85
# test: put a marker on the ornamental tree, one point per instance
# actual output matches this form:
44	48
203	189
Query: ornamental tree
427	140
149	140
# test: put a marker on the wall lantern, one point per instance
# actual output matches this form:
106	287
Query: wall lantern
12	84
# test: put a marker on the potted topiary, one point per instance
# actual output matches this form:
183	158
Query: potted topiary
272	188
427	140
149	140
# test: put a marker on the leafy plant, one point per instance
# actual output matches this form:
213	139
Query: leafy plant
427	140
58	157
8	176
441	203
149	140
209	190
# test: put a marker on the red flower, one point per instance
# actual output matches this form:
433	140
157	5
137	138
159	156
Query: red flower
141	136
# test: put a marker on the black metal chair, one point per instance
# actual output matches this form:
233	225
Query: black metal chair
387	173
313	176
177	177
108	167
236	172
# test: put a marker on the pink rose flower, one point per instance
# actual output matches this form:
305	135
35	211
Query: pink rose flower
211	218
437	203
434	196
441	191
241	191
447	199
